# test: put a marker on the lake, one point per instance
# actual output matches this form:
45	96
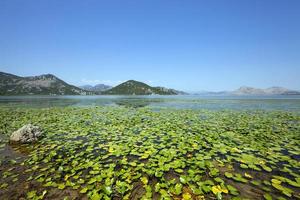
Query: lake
286	103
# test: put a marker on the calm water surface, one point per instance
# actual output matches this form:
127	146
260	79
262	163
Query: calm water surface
290	103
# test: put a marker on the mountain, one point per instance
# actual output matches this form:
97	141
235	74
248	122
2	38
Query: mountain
269	91
46	84
281	90
86	87
133	87
245	90
96	88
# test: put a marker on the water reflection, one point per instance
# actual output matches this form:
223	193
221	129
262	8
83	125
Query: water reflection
132	103
37	102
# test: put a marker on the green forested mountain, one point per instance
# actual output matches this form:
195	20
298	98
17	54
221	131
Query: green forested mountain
133	87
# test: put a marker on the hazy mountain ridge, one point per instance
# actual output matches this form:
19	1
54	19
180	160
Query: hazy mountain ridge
246	90
133	87
96	88
46	84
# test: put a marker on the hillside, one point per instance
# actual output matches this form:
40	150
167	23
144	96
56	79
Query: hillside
133	87
46	84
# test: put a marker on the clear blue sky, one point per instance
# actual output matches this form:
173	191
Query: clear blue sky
188	45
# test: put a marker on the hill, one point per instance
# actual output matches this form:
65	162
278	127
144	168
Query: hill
133	87
46	84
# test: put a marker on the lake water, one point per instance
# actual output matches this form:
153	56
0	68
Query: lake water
287	103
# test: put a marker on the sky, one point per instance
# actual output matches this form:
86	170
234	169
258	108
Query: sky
192	45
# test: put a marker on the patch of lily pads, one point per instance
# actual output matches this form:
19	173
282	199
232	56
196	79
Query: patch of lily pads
136	153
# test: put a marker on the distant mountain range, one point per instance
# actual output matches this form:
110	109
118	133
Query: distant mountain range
245	90
96	88
49	84
46	84
269	91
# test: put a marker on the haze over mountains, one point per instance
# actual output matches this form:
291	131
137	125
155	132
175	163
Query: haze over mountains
268	91
245	90
96	88
49	84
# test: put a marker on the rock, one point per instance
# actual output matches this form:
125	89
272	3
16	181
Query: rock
26	134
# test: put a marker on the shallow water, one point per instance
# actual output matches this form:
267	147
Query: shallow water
260	142
287	103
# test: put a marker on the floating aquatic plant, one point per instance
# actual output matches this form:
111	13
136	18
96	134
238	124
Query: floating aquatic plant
107	152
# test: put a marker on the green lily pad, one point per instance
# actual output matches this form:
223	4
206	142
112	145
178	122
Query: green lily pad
267	196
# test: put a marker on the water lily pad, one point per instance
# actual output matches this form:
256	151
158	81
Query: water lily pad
186	196
232	190
228	175
288	192
83	190
178	189
144	180
267	196
218	189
